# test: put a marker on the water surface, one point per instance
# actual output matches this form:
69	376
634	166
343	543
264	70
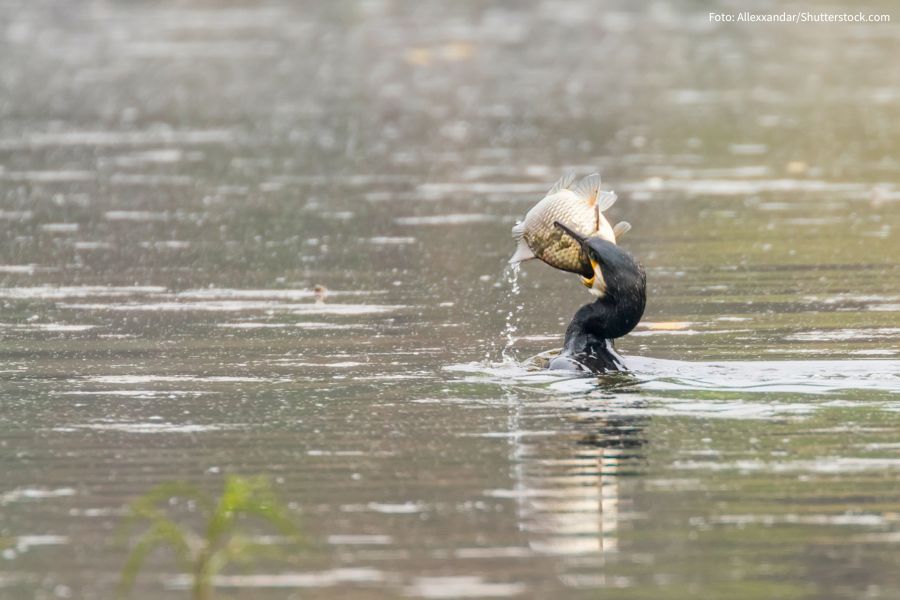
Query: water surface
175	180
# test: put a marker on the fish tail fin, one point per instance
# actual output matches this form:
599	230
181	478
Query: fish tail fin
605	200
523	253
621	228
562	183
588	188
518	230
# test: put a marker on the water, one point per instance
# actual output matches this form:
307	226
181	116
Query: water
511	275
175	180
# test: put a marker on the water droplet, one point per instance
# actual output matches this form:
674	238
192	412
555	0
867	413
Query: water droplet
511	275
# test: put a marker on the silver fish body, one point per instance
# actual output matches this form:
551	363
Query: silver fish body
580	206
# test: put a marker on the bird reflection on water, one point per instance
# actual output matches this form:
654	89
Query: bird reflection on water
569	484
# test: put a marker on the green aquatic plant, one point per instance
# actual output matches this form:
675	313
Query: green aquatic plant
221	544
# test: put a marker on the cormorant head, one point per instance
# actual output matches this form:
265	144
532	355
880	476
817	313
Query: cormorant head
616	273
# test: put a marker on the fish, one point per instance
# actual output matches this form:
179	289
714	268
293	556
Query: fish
578	205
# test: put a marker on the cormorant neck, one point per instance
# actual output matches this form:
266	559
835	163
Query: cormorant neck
612	316
593	328
620	308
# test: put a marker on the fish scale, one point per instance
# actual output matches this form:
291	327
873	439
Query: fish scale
579	206
550	244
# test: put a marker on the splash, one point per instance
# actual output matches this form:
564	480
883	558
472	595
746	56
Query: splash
669	380
511	275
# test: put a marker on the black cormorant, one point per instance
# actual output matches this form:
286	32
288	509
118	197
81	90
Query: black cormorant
620	285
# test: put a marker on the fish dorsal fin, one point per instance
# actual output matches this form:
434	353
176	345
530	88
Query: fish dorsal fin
587	188
621	228
562	183
605	200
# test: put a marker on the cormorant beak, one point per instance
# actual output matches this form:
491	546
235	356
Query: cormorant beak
581	239
595	283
